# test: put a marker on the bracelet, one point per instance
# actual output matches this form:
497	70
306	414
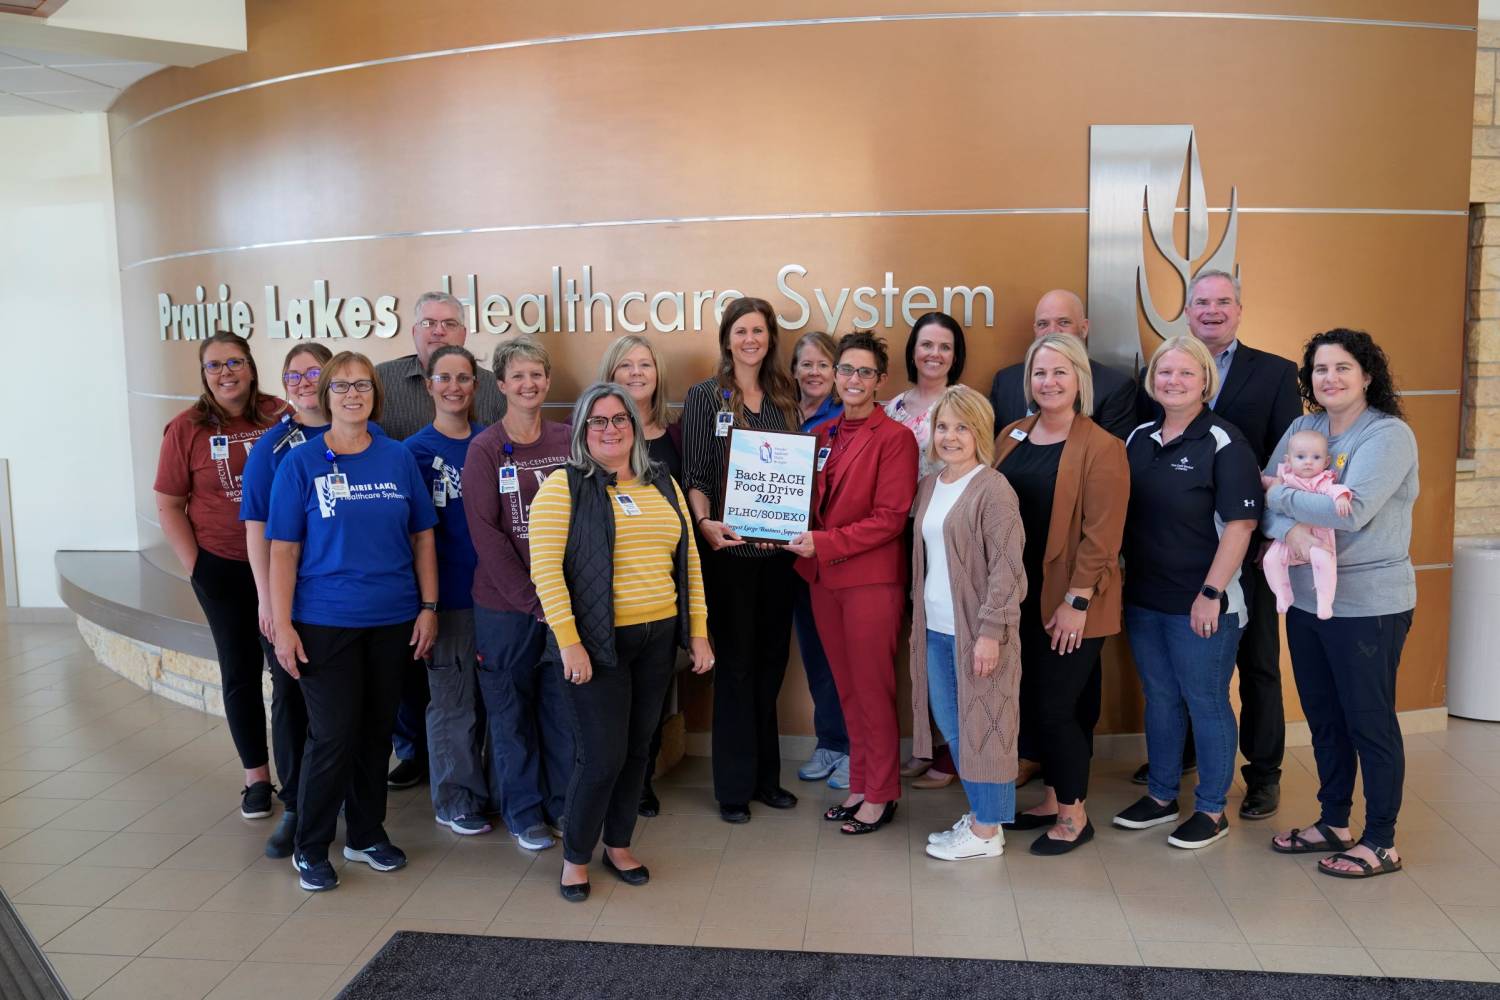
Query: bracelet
700	520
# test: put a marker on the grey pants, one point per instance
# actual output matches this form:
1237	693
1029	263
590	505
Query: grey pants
455	740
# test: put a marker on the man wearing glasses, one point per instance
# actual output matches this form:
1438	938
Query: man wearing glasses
438	320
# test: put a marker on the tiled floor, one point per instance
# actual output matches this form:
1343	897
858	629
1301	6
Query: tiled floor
122	846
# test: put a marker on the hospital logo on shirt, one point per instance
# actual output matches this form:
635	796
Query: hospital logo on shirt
325	496
357	491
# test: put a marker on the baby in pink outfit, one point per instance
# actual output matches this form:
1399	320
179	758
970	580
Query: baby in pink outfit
1306	468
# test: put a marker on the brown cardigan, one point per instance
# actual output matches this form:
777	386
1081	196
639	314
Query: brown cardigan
983	539
1088	520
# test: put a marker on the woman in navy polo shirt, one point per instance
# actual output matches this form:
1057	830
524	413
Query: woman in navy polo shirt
354	589
306	423
1195	499
454	739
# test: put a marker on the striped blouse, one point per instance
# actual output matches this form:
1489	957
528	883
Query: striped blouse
645	545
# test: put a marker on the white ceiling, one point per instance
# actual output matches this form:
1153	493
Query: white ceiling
33	82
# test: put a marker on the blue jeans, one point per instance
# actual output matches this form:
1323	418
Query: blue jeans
530	728
828	714
1186	676
992	802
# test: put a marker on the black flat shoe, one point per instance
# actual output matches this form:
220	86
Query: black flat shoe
840	814
1050	847
650	804
733	812
639	875
1030	821
573	893
778	798
857	827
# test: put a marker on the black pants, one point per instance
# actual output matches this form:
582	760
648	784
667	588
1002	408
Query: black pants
750	618
288	726
1262	718
1060	701
226	591
613	716
351	683
1345	670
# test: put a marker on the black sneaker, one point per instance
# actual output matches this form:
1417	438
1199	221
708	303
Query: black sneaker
284	838
255	801
315	876
407	774
1200	830
1145	813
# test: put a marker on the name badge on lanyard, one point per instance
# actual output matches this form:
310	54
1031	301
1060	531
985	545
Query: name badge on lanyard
509	481
722	423
627	505
338	485
295	438
218	447
823	454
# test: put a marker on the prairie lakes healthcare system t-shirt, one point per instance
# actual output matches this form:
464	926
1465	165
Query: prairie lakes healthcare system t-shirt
356	569
206	464
269	452
440	459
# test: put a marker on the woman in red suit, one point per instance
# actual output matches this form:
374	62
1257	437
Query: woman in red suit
857	568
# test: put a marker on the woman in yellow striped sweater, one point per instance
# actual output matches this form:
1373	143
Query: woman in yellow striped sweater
617	574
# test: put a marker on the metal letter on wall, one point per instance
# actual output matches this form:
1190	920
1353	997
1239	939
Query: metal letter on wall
1131	167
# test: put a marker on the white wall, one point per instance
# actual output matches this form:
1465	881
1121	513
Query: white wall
63	415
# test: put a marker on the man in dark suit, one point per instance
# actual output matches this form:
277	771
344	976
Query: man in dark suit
1061	311
1258	394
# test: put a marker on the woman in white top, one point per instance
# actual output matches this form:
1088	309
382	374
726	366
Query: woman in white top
967	585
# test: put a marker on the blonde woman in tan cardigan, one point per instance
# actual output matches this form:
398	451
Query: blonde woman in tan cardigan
967	587
1073	483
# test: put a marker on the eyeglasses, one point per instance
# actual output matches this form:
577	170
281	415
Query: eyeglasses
448	325
358	385
295	378
620	420
848	371
214	367
814	366
462	378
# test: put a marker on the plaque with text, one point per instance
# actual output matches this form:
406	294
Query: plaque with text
768	484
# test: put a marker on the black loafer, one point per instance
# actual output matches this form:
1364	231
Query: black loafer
573	893
650	805
639	875
778	798
1051	847
1261	802
1030	821
733	812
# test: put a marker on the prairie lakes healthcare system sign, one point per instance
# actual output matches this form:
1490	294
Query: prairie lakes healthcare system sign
768	484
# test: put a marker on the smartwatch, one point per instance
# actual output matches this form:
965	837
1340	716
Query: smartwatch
429	605
1211	592
1075	602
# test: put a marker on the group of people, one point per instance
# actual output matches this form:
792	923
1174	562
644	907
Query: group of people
427	562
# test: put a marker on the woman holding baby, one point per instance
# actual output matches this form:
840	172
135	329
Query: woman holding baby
1345	660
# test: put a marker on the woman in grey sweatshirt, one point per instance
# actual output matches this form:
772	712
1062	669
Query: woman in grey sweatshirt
1345	666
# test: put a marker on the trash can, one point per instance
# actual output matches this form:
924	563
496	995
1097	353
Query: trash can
1474	632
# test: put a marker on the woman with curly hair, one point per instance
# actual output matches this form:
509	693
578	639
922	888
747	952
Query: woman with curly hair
1345	666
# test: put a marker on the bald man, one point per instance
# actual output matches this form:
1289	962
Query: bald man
1061	311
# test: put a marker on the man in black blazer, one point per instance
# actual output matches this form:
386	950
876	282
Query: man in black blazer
1258	393
1061	311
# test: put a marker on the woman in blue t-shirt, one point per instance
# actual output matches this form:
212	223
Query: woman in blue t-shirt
354	587
304	425
455	741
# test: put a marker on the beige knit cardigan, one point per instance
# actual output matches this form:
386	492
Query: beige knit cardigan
983	538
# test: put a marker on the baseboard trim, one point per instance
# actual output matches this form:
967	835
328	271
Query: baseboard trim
1108	746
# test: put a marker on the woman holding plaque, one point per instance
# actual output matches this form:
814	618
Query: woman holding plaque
855	564
748	586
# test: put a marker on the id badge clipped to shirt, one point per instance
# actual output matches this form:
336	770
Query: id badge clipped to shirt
509	482
440	492
218	447
627	505
338	485
823	454
722	423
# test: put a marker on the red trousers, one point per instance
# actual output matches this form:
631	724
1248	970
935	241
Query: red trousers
859	627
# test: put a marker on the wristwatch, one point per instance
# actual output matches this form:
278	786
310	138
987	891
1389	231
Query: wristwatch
1075	602
429	605
1211	592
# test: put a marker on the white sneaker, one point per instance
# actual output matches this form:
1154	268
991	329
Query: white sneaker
952	831
964	846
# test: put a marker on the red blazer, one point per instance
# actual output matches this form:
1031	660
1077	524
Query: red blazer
857	537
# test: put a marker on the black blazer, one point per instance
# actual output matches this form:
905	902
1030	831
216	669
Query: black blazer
1114	398
1260	397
